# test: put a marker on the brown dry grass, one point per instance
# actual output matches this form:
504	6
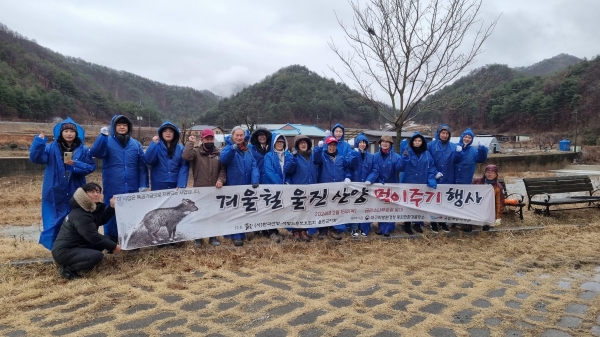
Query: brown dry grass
134	278
395	267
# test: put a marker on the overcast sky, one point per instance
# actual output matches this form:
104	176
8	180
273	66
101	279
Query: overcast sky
218	45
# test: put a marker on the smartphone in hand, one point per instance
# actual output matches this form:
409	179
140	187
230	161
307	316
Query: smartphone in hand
67	157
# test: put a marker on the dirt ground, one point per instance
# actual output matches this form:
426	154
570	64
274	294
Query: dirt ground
517	283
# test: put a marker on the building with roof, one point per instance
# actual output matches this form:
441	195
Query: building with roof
290	131
196	130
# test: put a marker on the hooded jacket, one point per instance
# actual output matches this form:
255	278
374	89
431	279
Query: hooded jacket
342	146
80	228
275	162
258	152
386	167
60	180
444	155
206	166
123	167
418	169
300	170
331	168
359	163
464	169
240	165
167	170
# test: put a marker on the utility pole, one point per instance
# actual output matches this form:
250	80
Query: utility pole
575	142
139	118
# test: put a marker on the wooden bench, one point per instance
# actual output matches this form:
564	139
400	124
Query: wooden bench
516	208
545	188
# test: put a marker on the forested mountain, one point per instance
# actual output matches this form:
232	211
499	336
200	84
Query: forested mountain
549	66
38	84
496	98
296	95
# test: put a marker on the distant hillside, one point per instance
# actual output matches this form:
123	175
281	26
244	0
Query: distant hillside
497	99
296	95
549	66
37	83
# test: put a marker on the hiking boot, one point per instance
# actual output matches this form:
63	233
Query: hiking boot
434	227
445	228
485	228
304	236
296	235
238	242
354	233
417	228
68	274
408	230
378	232
467	228
365	234
198	242
275	237
322	233
387	235
214	241
335	234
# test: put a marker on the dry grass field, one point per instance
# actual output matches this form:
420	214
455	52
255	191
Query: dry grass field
373	286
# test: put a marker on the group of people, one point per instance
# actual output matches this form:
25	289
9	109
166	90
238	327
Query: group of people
72	210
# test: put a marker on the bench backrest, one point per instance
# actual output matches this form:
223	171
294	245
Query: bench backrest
565	184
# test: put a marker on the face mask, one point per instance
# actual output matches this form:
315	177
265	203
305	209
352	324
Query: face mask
209	146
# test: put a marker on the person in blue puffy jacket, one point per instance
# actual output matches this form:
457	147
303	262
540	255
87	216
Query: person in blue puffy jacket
301	169
275	162
260	145
123	167
63	175
418	167
167	167
360	164
241	168
339	132
332	169
386	169
445	155
469	157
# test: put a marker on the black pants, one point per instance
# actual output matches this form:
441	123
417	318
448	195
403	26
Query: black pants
78	259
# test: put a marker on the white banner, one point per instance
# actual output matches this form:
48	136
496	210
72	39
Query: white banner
151	218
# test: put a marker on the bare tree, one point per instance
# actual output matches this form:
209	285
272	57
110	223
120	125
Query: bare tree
409	49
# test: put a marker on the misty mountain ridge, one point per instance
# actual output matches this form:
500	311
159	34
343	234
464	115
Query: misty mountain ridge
549	66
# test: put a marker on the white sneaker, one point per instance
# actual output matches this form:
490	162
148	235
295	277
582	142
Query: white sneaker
354	233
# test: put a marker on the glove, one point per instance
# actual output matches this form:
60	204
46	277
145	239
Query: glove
405	154
254	185
458	148
480	144
368	182
327	133
320	143
498	222
295	152
234	146
439	175
143	189
432	183
104	130
347	181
